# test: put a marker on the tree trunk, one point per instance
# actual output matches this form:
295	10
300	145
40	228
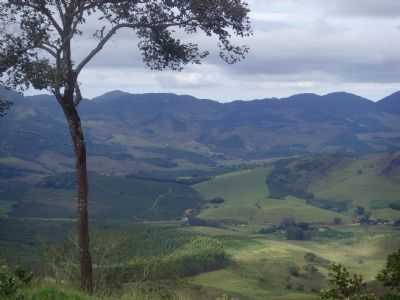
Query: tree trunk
78	141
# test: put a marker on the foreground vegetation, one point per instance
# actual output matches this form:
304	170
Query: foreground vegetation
170	261
17	284
250	235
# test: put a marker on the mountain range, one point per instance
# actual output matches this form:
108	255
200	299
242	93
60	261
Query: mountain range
133	133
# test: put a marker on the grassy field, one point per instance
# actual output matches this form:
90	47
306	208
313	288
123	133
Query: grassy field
247	200
261	268
362	183
357	182
262	264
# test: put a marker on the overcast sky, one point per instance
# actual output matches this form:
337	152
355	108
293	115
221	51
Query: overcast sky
298	46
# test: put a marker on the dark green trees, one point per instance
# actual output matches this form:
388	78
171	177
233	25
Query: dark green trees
347	286
390	276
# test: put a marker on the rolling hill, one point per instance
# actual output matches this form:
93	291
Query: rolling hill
128	133
315	189
147	151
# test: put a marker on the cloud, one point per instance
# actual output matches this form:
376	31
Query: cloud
298	46
362	8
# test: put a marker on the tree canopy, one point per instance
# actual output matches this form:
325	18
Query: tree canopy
35	45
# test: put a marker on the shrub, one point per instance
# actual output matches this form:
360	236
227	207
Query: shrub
394	206
294	270
337	221
217	200
345	286
390	276
296	233
310	269
287	222
12	283
267	230
310	257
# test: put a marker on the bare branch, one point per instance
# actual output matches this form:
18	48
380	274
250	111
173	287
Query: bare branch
60	11
112	31
100	46
48	50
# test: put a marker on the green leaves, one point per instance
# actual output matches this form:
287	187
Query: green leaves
12	282
349	286
345	286
40	52
390	276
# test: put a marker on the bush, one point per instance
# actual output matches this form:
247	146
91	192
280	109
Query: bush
294	270
217	200
295	233
344	285
337	221
12	283
310	269
390	276
314	259
267	230
394	206
310	257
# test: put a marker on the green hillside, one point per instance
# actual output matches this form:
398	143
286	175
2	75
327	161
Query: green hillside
275	269
243	250
112	197
247	200
314	189
364	183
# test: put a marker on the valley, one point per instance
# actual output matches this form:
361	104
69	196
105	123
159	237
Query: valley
257	209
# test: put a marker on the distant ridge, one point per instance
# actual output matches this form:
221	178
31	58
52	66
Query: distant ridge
391	103
173	130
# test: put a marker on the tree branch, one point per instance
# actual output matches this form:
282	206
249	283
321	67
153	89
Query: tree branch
43	9
48	50
60	11
100	46
112	31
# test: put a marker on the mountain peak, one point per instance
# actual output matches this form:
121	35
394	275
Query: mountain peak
302	96
111	95
392	97
391	103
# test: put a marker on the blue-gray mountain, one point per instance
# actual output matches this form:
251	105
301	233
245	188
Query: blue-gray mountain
128	133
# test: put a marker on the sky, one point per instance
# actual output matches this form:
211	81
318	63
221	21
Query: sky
298	46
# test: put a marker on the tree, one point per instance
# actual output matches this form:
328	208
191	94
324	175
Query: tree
390	276
4	106
345	286
36	50
337	221
359	211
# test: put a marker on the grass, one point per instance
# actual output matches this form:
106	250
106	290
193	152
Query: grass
57	292
261	268
247	200
368	188
261	265
359	182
